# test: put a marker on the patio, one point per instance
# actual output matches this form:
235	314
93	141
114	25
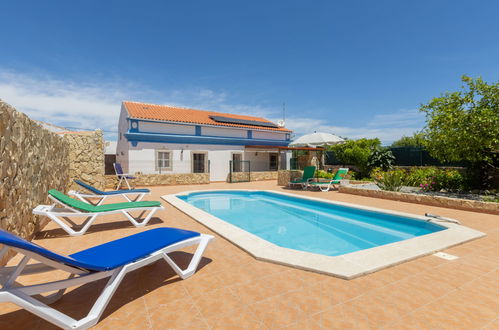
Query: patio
233	290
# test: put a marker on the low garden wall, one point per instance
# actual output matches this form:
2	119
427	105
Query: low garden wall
86	158
32	161
285	176
160	179
454	203
254	176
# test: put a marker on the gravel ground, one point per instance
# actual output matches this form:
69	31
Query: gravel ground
415	190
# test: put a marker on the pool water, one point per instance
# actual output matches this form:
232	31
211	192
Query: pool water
308	225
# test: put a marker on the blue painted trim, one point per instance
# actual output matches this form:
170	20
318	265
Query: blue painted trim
134	122
250	134
198	130
135	137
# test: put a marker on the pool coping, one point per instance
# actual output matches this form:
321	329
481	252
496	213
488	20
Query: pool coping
346	266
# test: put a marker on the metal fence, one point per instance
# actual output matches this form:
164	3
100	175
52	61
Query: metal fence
239	171
415	156
404	156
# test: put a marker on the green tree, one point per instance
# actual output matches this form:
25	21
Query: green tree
464	126
356	152
416	140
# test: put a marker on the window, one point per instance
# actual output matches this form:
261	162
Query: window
163	160
199	162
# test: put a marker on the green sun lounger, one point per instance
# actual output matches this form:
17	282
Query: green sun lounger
308	174
76	208
327	185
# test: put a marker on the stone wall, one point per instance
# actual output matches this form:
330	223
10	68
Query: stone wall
454	203
254	176
160	179
86	158
32	161
285	176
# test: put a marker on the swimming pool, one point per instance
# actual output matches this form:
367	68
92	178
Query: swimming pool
335	238
308	225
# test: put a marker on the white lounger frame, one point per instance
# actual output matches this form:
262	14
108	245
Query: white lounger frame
29	297
326	186
60	216
85	197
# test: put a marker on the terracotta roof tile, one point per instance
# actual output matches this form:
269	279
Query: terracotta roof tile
186	115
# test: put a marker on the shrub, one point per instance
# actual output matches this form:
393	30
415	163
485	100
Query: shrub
382	158
419	175
392	180
326	175
323	174
356	152
450	180
491	199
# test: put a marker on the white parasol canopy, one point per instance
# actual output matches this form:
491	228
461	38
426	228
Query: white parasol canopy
316	140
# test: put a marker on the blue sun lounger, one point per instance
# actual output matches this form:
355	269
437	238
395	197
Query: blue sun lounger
111	260
102	195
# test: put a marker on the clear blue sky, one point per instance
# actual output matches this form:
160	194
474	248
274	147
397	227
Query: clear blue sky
354	68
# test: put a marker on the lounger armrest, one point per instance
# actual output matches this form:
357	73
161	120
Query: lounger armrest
43	209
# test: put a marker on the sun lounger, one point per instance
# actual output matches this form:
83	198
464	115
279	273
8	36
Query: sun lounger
111	260
103	195
122	177
76	208
308	175
327	185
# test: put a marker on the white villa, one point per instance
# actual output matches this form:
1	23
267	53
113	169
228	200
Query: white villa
166	139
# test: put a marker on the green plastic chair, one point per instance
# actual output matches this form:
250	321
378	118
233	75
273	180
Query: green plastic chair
308	174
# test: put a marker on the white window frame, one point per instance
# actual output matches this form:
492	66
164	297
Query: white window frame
156	160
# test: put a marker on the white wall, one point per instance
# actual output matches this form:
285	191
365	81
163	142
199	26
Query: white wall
260	160
166	128
269	135
287	159
122	143
143	158
224	131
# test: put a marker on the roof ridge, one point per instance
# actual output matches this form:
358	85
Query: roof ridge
163	105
